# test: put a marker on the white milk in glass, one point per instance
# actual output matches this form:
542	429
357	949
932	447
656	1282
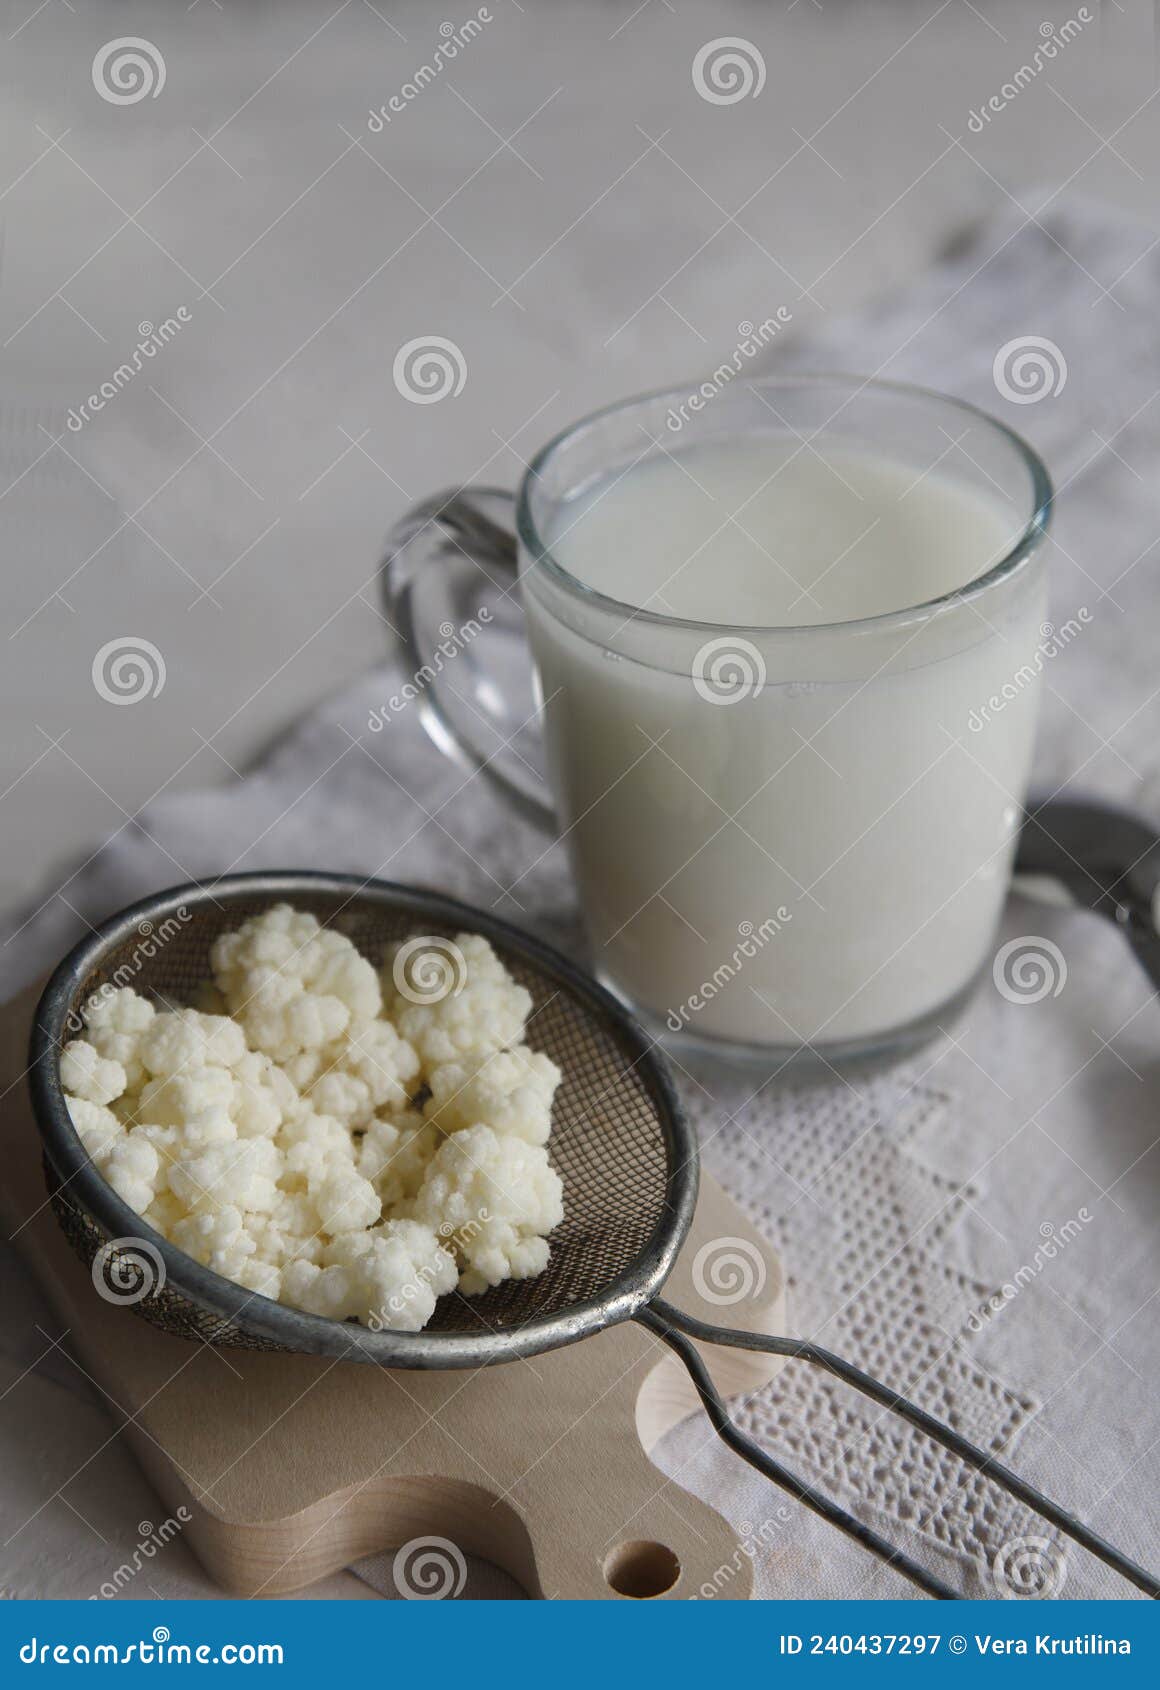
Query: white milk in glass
784	830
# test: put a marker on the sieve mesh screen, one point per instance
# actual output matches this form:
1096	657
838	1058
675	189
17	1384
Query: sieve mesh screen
609	1140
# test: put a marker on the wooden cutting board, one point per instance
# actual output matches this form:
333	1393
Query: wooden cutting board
293	1466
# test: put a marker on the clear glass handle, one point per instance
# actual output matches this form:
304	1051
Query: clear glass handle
449	583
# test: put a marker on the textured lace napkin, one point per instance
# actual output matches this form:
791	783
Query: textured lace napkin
977	1225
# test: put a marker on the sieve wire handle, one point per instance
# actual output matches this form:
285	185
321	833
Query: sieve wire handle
676	1328
667	1322
449	564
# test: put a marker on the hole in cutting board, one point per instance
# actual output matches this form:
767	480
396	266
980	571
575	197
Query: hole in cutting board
640	1569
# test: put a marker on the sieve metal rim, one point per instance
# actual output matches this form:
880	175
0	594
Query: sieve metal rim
292	1328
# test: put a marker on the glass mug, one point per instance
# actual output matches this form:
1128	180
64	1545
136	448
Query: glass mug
818	867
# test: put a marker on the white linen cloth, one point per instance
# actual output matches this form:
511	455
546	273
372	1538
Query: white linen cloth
903	1200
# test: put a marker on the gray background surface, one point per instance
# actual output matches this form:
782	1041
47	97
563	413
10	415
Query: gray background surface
560	202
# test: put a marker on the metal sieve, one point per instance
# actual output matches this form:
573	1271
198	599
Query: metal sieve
620	1142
